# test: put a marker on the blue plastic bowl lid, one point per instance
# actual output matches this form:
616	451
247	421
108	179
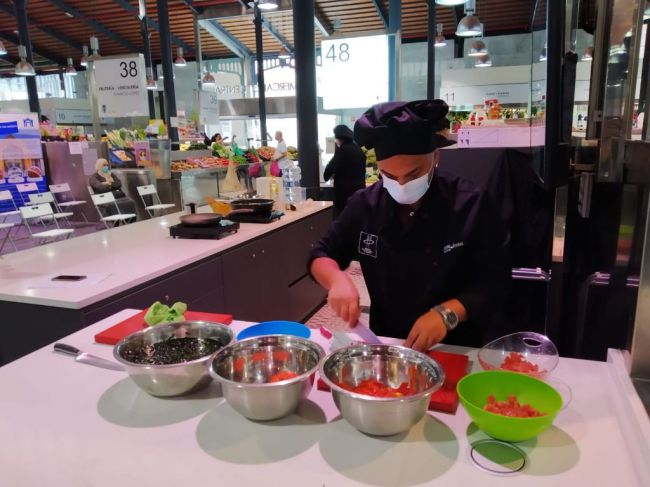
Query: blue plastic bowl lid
275	328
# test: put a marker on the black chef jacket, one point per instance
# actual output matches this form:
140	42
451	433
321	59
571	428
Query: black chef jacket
455	246
348	166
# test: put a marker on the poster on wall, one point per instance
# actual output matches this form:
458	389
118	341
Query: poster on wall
21	155
121	86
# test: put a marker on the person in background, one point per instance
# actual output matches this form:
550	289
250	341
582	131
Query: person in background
216	138
103	181
347	167
281	154
432	247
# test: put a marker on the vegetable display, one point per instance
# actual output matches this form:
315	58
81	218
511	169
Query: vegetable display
159	313
511	408
125	138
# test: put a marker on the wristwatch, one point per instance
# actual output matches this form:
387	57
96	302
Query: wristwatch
449	318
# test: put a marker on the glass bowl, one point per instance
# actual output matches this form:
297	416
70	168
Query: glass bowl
525	352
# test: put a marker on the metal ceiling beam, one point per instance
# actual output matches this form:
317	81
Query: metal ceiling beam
459	42
190	3
381	11
152	24
270	28
321	21
220	33
99	27
13	38
44	28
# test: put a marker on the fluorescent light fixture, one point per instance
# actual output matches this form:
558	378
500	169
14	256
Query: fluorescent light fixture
478	48
440	40
23	68
588	54
208	79
84	56
483	62
180	60
284	54
450	3
267	4
70	69
3	49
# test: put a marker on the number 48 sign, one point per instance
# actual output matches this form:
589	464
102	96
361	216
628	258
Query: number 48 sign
121	86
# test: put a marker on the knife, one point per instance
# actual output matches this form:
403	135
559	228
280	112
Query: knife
87	358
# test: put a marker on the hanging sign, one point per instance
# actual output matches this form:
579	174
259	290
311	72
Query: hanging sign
208	108
476	95
121	86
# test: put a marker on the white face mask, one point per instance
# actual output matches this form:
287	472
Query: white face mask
408	193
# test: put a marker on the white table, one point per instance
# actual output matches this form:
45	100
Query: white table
68	424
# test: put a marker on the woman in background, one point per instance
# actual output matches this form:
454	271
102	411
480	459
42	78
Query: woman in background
102	181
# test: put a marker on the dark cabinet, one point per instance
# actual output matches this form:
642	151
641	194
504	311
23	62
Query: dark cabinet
304	296
301	238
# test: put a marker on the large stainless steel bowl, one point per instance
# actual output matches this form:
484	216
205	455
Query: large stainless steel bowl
173	379
244	369
390	365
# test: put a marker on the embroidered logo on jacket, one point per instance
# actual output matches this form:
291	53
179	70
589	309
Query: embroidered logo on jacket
448	248
368	244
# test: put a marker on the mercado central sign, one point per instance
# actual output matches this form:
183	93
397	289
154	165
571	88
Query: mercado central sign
281	88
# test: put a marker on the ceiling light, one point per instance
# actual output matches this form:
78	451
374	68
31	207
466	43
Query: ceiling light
84	56
180	60
69	15
542	55
470	25
478	48
23	68
208	79
94	45
483	62
450	3
267	4
440	39
70	70
588	54
3	49
284	54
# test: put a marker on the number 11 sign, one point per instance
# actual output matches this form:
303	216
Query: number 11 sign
121	86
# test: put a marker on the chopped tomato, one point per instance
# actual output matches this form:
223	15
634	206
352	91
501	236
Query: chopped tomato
281	356
282	375
511	408
259	356
372	387
517	363
240	363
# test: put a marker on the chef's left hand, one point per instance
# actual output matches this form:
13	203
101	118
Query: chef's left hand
428	330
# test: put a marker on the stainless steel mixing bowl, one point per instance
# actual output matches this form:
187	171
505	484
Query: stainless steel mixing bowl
245	368
173	379
390	365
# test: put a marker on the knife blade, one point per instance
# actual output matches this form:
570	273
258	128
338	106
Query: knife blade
86	358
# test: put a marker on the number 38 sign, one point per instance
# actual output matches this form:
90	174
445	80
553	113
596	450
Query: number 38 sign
121	86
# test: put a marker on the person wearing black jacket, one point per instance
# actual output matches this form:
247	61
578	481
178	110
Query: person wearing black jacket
348	167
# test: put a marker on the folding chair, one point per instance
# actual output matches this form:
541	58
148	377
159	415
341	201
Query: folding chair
104	199
38	213
42	198
60	191
7	227
150	190
25	189
6	196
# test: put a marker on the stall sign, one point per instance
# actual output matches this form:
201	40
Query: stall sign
476	95
208	108
354	72
142	154
121	86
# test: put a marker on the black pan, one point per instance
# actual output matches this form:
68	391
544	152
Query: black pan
209	219
259	206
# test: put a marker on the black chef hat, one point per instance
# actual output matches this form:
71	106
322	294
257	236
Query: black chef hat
403	127
343	132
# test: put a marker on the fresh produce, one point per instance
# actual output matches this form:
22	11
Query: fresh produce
124	138
197	146
292	153
372	387
200	163
282	375
266	153
517	363
223	151
511	408
159	313
172	351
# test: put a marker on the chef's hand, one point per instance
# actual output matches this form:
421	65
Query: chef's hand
343	298
428	330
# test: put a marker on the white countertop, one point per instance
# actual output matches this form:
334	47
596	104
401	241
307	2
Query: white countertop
132	254
70	424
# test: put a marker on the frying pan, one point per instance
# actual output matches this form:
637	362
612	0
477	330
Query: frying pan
259	206
210	219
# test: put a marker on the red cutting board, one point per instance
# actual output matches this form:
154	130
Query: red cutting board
115	333
444	399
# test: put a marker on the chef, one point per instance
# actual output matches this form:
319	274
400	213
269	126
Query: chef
432	247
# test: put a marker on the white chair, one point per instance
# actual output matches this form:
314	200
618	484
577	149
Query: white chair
59	191
104	199
7	227
43	198
38	213
6	196
24	189
150	190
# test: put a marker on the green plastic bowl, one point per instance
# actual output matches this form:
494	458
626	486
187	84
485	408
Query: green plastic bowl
474	389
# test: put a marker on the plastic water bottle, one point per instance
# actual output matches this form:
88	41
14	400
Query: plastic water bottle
295	175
